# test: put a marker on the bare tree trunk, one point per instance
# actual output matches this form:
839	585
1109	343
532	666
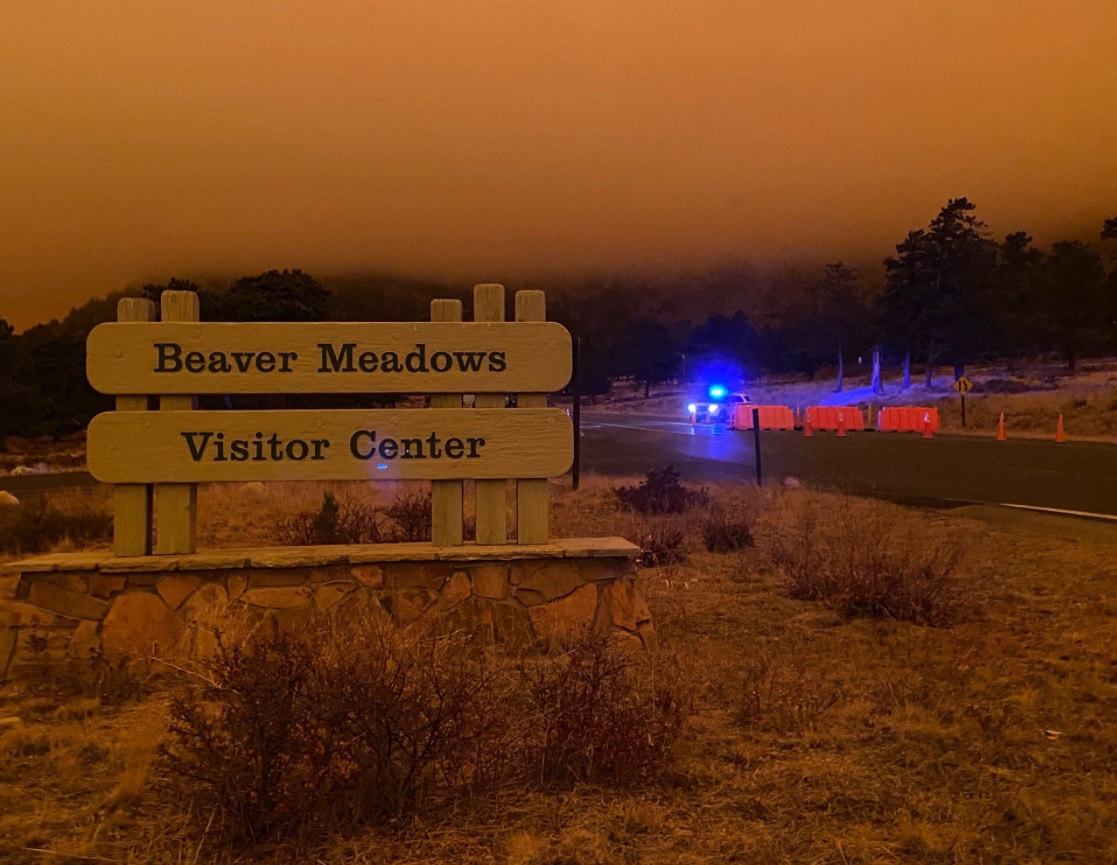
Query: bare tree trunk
841	368
907	369
930	364
647	388
877	386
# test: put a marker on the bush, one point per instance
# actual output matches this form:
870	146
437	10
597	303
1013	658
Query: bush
410	514
343	724
722	533
353	520
36	525
334	724
783	696
661	542
864	558
661	493
349	521
603	716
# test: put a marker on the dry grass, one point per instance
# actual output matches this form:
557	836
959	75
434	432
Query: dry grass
818	738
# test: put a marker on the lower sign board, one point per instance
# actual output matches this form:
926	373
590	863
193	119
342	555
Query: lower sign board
298	445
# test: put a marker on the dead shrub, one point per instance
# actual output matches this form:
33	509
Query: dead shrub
662	541
349	520
36	524
603	716
334	725
783	696
723	533
864	558
410	516
661	493
354	520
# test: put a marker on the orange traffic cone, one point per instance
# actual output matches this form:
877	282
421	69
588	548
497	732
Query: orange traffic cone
1001	428
926	425
841	424
807	431
1060	435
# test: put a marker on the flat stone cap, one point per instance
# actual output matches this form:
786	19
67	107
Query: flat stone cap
340	554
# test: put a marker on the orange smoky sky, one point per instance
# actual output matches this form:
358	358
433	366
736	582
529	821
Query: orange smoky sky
472	139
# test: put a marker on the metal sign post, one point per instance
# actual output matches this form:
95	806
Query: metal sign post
963	385
756	442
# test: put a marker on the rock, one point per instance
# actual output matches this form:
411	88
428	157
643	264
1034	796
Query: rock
791	482
491	581
278	598
457	590
85	643
38	645
29	616
371	576
139	624
511	626
288	620
254	488
540	582
12	722
208	604
627	643
22	471
358	609
411	575
326	596
8	636
177	588
408	606
626	606
78	583
567	618
7	499
266	578
237	583
64	601
106	585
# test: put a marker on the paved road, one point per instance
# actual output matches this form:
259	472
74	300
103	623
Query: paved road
1079	476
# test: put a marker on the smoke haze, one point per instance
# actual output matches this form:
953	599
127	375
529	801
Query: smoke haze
487	140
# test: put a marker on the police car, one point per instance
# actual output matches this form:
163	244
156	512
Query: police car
719	406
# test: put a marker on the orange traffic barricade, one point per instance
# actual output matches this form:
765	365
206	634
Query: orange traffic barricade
772	417
826	417
906	418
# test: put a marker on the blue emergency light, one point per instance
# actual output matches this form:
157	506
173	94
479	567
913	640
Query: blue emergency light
717	391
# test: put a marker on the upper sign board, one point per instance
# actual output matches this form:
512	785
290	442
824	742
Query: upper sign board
963	385
128	447
328	357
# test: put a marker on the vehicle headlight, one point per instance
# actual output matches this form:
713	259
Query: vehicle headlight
692	408
714	409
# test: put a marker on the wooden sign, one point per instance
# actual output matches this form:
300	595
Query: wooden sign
299	445
328	357
963	385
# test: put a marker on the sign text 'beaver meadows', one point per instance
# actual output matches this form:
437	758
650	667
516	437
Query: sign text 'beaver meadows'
333	357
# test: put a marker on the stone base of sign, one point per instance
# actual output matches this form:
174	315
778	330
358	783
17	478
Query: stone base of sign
91	605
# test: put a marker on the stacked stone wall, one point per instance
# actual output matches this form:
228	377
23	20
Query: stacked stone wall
63	614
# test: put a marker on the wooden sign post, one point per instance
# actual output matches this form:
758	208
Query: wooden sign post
178	447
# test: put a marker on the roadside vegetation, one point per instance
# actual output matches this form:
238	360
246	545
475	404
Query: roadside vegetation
838	680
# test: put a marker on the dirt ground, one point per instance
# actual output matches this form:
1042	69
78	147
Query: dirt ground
817	737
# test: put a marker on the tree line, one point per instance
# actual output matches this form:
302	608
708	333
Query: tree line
952	294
